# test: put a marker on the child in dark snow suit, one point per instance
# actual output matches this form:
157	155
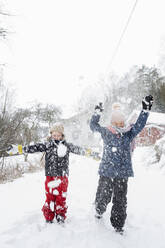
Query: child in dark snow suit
56	170
116	166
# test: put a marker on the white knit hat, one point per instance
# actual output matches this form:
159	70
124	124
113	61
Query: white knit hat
117	114
116	106
58	127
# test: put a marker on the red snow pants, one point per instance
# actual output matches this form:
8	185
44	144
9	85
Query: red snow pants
55	204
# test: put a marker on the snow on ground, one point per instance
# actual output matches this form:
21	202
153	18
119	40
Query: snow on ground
22	223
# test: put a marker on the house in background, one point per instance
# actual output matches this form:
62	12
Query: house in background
154	129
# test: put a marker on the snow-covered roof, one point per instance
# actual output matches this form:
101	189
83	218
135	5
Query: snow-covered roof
154	118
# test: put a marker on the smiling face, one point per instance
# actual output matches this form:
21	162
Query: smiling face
118	124
117	118
56	135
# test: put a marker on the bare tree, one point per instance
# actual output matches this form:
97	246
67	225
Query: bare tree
3	28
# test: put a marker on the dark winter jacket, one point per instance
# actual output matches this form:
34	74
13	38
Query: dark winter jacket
55	165
116	159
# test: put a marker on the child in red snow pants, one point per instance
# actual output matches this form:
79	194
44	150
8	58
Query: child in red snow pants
55	204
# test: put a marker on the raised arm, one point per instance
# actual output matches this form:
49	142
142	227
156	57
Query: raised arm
139	125
142	119
94	123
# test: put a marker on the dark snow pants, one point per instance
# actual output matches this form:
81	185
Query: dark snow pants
56	191
115	188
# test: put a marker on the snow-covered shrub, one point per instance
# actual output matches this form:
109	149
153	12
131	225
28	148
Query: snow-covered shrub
159	148
16	166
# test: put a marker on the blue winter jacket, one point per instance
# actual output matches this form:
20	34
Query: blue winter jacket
116	158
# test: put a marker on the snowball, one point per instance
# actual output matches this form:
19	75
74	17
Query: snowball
52	206
114	149
64	194
54	184
55	192
61	151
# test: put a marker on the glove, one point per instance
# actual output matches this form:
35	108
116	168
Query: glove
88	152
25	149
96	156
15	149
92	154
99	107
147	102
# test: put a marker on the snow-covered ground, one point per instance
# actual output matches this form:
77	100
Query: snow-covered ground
22	224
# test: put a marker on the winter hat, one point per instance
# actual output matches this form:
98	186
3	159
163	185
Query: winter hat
57	128
116	106
117	114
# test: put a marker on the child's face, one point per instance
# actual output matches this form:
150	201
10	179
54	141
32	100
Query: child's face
56	135
118	124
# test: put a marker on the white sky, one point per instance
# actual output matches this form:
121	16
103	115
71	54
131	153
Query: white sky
61	46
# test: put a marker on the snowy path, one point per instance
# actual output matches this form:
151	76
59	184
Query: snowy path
22	224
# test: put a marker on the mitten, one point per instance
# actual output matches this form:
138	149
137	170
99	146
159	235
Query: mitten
99	107
147	102
15	149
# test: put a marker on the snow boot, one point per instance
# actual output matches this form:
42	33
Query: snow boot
60	219
49	221
119	230
98	216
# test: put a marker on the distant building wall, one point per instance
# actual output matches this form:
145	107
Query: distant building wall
154	129
150	134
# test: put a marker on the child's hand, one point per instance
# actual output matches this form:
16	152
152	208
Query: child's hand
147	102
92	154
96	156
99	107
15	149
88	152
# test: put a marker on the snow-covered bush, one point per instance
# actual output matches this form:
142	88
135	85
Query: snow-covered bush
159	149
14	167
